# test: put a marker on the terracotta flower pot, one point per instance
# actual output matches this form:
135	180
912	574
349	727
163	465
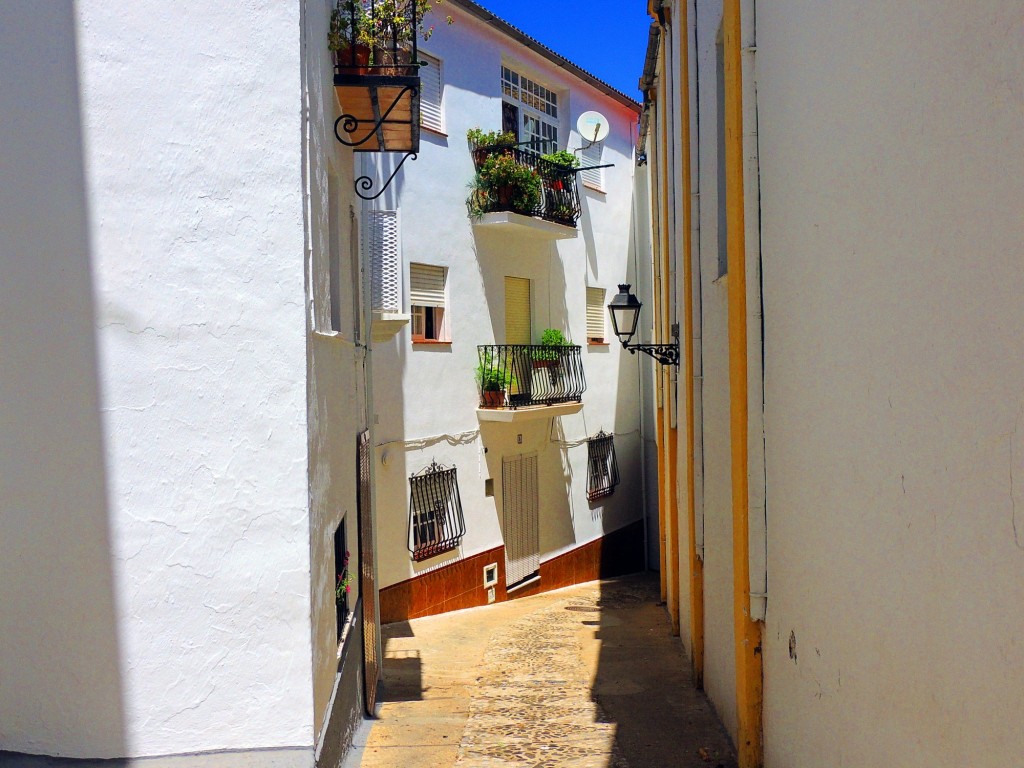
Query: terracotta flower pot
357	65
493	398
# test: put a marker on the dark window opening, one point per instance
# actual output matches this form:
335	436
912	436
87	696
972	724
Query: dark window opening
436	523
602	467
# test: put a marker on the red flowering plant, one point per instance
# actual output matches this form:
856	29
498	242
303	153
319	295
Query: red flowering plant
344	585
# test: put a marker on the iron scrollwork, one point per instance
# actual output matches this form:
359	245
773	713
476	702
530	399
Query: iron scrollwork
350	123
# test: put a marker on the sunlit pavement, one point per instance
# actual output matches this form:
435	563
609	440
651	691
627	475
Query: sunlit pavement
587	676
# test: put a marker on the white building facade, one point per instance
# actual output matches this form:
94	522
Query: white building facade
179	465
839	189
499	279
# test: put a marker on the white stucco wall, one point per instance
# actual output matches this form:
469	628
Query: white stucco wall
428	391
892	190
60	660
194	171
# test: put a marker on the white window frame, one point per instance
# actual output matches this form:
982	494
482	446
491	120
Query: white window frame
439	314
540	105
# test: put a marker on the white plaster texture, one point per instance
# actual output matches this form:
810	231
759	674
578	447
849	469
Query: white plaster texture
423	391
892	241
194	164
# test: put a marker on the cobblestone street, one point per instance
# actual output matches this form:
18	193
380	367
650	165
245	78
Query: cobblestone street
587	676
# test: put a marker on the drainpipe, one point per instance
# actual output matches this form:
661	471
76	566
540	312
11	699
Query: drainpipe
755	321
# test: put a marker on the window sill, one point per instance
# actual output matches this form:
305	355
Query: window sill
594	188
598	344
435	131
429	342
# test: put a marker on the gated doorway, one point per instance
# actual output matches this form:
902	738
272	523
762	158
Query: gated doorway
521	518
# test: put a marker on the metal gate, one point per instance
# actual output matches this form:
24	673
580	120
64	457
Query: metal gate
521	517
367	583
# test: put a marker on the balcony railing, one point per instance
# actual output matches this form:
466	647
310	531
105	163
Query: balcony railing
523	375
542	188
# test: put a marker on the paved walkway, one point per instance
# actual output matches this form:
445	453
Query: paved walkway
585	677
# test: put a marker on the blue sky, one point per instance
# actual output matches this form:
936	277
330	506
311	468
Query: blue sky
606	37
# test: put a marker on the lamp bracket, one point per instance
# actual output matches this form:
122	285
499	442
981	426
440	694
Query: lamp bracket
666	354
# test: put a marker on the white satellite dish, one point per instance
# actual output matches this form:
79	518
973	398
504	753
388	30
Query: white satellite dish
593	127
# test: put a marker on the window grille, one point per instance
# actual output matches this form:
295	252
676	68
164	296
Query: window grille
436	524
431	89
595	314
380	230
602	468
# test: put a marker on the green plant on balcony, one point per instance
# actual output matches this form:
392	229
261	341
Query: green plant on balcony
377	28
564	158
547	353
502	183
494	377
479	138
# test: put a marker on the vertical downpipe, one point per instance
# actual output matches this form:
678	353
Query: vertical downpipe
694	564
749	686
659	223
668	373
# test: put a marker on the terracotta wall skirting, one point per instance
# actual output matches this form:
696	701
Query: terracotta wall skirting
461	585
618	553
454	586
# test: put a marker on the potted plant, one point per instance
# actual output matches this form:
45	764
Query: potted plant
494	379
502	183
546	356
379	31
559	169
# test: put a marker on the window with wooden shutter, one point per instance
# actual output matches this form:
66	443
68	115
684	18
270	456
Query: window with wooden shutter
431	92
427	302
518	328
594	177
595	314
380	239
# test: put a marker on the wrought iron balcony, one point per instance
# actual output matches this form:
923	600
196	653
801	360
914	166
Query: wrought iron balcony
523	375
376	77
519	180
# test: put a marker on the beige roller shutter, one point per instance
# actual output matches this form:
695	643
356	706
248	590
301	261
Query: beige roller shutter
595	313
517	311
431	115
426	285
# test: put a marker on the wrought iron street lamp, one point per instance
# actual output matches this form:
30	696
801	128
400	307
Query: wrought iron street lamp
624	310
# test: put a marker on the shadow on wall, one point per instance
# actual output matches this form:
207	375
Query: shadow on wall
60	679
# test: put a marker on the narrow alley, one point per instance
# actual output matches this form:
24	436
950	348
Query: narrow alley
586	676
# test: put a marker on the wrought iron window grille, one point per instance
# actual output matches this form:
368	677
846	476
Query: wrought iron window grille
522	375
436	524
602	466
